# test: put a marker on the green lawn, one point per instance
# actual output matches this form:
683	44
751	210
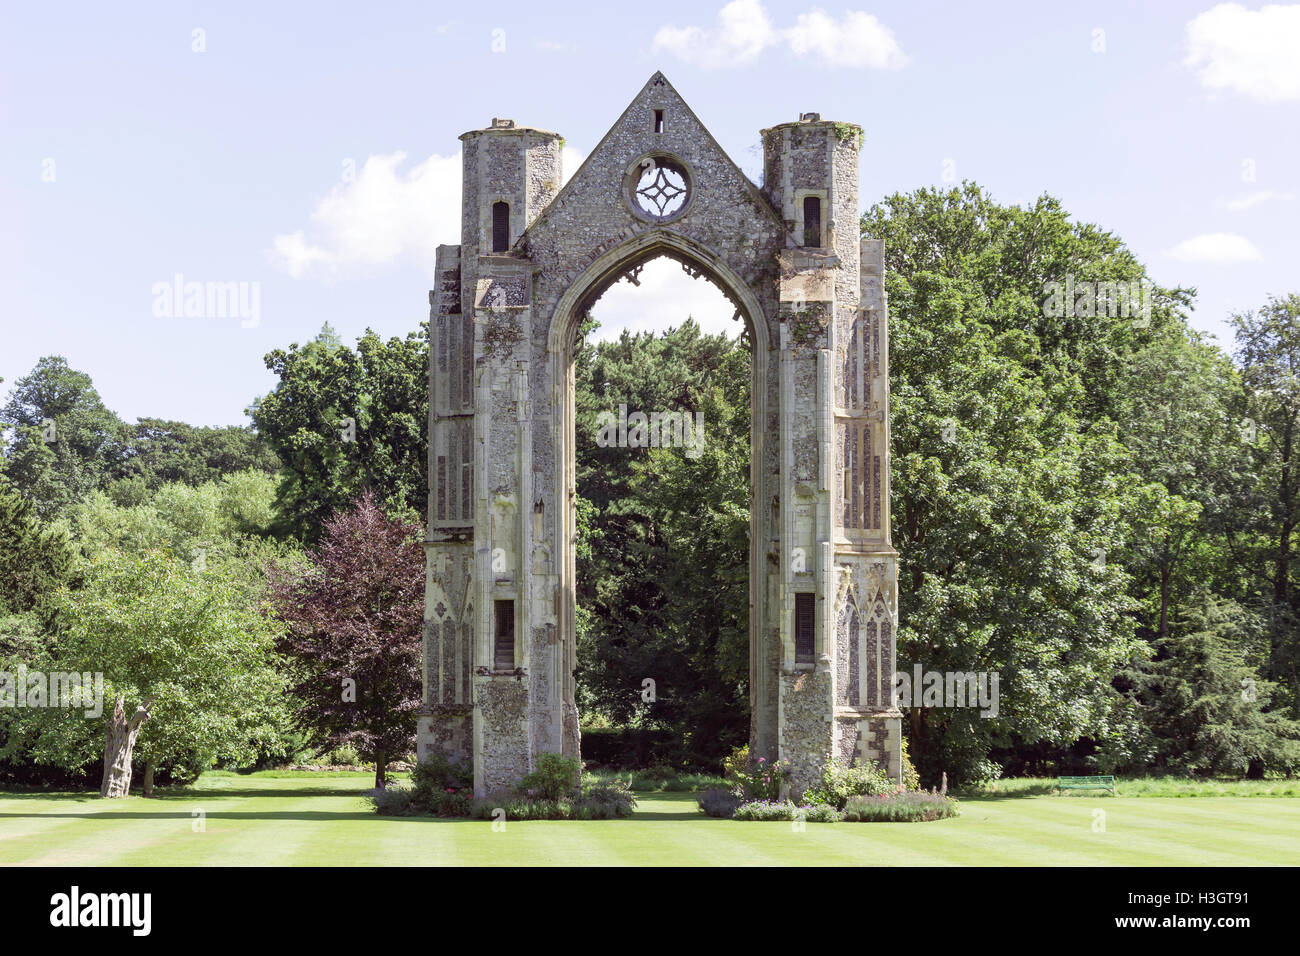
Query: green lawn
321	819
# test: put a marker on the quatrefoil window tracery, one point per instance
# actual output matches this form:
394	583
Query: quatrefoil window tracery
661	188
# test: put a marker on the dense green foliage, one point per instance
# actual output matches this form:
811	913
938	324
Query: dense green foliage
139	584
1208	710
160	452
66	445
1063	484
65	442
553	777
662	568
186	644
35	559
840	783
346	422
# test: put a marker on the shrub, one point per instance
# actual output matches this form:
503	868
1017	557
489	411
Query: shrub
736	762
391	801
441	786
766	810
439	772
719	803
664	782
605	802
450	803
597	803
840	782
520	808
345	756
822	813
756	778
554	777
904	806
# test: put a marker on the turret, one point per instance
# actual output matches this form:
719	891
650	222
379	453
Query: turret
510	174
810	173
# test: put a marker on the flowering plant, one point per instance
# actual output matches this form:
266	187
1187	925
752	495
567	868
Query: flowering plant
756	778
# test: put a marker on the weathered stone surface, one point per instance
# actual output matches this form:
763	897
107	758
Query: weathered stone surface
502	752
805	726
502	331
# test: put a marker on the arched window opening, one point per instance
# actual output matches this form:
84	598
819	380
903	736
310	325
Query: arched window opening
804	643
812	221
500	227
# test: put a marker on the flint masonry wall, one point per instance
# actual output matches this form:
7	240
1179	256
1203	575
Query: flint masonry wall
501	444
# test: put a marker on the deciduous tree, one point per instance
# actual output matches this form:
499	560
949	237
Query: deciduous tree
353	620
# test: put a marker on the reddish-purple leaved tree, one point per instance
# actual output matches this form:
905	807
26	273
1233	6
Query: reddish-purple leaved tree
354	619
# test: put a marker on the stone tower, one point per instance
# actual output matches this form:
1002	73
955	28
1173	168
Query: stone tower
499	613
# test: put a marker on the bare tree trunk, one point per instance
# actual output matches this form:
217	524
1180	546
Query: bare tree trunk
148	778
381	770
119	744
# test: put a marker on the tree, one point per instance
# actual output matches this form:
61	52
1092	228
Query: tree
200	524
187	664
1178	414
1209	706
1011	487
353	627
345	422
158	452
663	547
1268	352
35	559
65	440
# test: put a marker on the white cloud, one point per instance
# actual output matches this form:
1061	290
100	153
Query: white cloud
859	41
1219	248
743	31
665	297
384	215
1256	53
1254	199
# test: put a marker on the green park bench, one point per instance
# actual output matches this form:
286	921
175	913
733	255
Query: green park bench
1086	783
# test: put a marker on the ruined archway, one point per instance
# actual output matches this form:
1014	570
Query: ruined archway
499	633
574	306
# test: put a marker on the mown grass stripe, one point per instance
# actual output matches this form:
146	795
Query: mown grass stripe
322	821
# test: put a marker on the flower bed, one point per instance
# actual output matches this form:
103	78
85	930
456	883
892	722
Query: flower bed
902	806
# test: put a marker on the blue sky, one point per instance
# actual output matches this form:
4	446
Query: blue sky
309	150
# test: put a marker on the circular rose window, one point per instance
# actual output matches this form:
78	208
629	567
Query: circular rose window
659	187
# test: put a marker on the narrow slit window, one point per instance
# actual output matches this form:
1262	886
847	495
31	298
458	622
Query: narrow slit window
659	121
803	627
500	226
812	221
503	644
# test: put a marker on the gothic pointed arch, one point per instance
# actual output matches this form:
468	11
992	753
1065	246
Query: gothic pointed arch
535	252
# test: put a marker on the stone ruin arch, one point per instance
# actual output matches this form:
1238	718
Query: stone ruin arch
499	637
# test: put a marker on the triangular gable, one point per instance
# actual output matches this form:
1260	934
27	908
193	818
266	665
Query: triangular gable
685	135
